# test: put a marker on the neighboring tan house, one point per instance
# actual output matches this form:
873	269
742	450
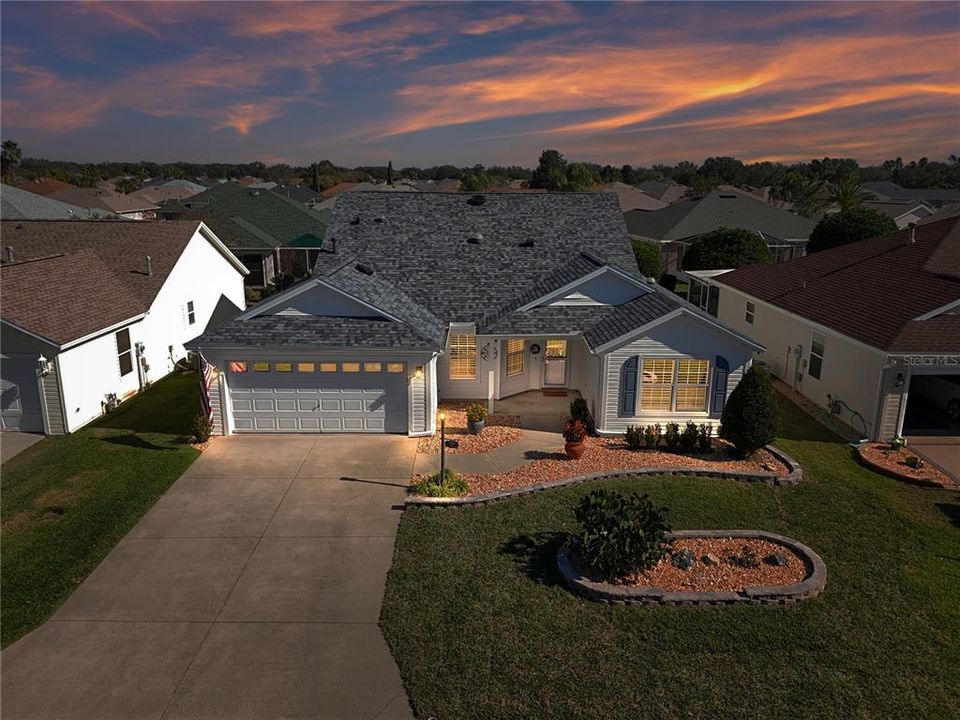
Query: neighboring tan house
676	227
869	330
128	206
904	214
632	199
270	233
419	297
92	312
668	192
17	204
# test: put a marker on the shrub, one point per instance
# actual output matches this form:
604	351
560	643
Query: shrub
580	411
574	431
476	412
620	535
688	438
857	223
651	436
452	486
750	419
898	443
671	438
648	258
704	433
726	248
634	437
200	428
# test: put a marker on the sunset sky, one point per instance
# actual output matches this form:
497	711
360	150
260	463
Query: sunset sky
461	83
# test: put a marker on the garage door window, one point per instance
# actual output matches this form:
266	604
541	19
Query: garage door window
396	367
306	367
237	367
372	367
351	367
328	367
261	367
283	367
124	353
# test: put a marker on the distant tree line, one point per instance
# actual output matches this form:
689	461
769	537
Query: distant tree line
806	185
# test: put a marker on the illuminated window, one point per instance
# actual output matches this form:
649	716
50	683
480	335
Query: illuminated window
283	367
328	367
237	367
693	379
350	367
556	349
463	357
657	387
261	367
396	367
372	367
306	367
515	356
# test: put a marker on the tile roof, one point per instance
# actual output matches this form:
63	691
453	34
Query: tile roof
17	204
248	218
89	274
696	216
872	290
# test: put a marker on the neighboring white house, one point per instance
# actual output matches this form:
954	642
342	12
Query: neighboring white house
419	297
92	312
868	330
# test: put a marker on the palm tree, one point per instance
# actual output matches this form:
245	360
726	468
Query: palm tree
848	193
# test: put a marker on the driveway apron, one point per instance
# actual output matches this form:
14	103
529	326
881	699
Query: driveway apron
252	589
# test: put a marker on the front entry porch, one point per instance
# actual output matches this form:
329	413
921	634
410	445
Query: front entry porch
543	410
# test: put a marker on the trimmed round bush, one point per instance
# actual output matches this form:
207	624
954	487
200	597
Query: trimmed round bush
750	420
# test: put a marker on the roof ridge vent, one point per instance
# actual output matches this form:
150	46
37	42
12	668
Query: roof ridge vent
365	269
475	239
526	244
476	200
379	219
355	220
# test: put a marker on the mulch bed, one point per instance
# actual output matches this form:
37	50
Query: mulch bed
604	454
725	576
894	462
499	430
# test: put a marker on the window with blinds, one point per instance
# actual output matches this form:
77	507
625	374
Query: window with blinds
693	380
515	355
463	357
656	392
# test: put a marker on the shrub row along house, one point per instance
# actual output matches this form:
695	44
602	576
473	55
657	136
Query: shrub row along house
92	312
421	296
869	330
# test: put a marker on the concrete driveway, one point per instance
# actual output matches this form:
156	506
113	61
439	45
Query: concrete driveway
943	451
13	443
252	589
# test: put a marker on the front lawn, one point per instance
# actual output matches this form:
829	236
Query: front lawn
481	627
66	501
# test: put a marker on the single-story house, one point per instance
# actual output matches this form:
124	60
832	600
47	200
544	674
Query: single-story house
17	204
904	214
421	297
128	206
676	227
869	330
886	191
270	233
633	199
93	312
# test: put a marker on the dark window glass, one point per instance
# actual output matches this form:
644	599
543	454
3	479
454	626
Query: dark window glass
124	354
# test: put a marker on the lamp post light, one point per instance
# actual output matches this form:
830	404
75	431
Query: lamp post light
443	448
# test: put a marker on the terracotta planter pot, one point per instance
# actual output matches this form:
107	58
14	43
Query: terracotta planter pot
475	427
574	450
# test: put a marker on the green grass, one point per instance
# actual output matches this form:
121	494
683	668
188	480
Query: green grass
66	501
481	628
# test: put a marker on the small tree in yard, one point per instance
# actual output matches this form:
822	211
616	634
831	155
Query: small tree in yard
847	226
726	248
750	418
648	258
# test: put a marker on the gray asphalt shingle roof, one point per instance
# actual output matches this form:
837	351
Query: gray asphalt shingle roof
17	204
696	216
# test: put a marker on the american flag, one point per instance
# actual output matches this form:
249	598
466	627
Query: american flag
206	381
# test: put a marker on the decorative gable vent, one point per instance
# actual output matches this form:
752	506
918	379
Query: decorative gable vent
476	200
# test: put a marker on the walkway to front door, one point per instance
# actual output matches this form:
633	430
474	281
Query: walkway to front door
252	589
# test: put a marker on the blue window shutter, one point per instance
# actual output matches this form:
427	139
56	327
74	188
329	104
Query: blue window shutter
628	386
721	369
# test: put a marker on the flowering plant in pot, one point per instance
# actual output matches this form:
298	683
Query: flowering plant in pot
476	414
574	432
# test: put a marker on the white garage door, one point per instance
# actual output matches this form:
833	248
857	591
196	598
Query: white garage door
335	396
19	397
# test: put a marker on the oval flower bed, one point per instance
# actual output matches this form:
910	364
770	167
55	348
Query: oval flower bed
902	464
499	430
710	567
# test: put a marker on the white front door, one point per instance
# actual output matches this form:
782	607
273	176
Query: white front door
555	362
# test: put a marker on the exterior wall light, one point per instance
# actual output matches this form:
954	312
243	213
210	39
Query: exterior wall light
418	372
43	366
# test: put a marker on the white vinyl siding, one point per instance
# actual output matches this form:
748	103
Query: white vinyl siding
816	355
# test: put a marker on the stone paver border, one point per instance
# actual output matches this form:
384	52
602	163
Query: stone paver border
794	476
810	587
891	473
